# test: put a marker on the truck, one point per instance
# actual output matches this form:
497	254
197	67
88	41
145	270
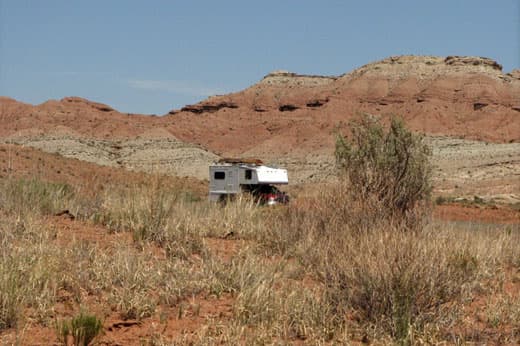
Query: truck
230	176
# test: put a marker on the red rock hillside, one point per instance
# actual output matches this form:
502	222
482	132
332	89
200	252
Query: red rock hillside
290	114
286	114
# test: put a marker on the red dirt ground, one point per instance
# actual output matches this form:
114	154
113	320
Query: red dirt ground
504	215
166	323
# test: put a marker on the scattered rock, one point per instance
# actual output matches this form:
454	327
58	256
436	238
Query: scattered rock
515	74
470	60
66	213
208	107
288	79
317	103
288	108
259	109
122	324
78	100
479	105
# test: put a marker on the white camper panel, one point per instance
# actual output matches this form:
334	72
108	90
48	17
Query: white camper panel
268	175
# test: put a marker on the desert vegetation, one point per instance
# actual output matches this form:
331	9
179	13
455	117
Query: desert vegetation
361	261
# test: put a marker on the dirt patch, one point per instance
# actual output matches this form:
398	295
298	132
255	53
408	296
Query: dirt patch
68	231
479	214
225	249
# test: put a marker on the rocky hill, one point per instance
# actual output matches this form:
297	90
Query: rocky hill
285	118
287	113
77	128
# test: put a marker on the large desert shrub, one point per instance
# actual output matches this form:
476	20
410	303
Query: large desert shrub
351	235
389	167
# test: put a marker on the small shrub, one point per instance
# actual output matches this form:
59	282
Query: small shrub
83	329
63	332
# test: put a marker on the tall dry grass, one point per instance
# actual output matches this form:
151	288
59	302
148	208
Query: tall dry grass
321	271
395	281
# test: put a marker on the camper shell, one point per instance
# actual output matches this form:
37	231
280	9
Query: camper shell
229	177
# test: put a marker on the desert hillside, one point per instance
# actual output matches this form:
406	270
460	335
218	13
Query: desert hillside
77	128
467	106
286	114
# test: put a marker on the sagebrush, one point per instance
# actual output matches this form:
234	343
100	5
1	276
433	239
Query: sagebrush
388	166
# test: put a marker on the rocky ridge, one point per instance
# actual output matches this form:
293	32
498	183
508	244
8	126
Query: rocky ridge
285	118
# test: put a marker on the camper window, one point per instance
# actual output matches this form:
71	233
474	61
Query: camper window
249	174
220	175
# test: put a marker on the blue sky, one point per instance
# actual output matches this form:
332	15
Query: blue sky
154	56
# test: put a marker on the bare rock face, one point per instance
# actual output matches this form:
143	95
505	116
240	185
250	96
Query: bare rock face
89	131
473	61
289	79
208	107
99	106
514	74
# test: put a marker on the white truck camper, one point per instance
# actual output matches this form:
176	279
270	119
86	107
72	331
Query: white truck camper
229	177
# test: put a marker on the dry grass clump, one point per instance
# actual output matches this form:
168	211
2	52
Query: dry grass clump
21	197
166	217
135	281
395	281
286	311
82	329
270	305
152	213
29	271
11	293
242	218
142	210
